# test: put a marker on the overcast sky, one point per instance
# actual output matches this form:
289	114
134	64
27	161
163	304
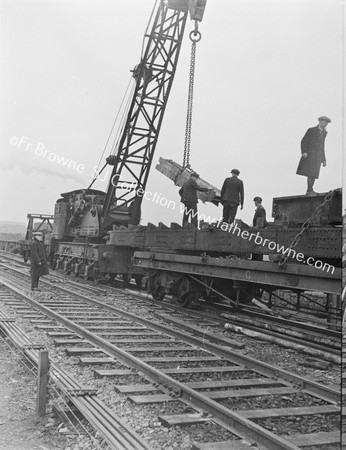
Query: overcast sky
265	71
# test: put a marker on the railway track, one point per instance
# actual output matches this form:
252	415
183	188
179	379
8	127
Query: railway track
179	377
317	339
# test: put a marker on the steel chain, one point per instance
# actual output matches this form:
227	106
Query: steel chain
187	143
305	226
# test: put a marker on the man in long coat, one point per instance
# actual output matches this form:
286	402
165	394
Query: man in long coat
313	155
38	260
188	196
232	194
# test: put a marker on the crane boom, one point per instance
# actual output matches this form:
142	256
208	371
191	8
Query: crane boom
153	77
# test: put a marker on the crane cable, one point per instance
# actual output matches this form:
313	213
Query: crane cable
120	127
195	36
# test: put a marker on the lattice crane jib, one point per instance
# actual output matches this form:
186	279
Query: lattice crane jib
153	81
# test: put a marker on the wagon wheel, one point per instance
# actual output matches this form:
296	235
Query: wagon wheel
96	279
111	278
246	295
186	300
126	279
138	279
158	293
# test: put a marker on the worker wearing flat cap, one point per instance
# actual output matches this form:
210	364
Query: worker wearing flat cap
232	195
259	219
188	196
313	155
38	260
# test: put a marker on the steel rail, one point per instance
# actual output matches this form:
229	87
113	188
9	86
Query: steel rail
334	352
315	350
60	279
285	322
261	315
231	420
309	386
117	434
288	323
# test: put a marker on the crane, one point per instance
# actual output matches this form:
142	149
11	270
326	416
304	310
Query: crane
153	76
83	218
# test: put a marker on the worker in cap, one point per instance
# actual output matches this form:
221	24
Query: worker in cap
313	154
188	196
38	259
232	195
324	118
259	219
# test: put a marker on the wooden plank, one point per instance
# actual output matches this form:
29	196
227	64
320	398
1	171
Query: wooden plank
107	321
179	359
127	333
113	328
42	321
24	310
87	361
182	419
223	445
117	372
321	438
31	316
113	372
214	369
49	327
68	306
81	318
180	175
234	383
144	399
69	341
133	388
160	349
74	351
113	325
60	334
242	393
142	341
115	341
284	412
42	383
94	361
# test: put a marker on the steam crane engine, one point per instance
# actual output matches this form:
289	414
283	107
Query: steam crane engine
83	217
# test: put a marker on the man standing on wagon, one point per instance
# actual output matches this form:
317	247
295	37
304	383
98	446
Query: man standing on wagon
312	148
